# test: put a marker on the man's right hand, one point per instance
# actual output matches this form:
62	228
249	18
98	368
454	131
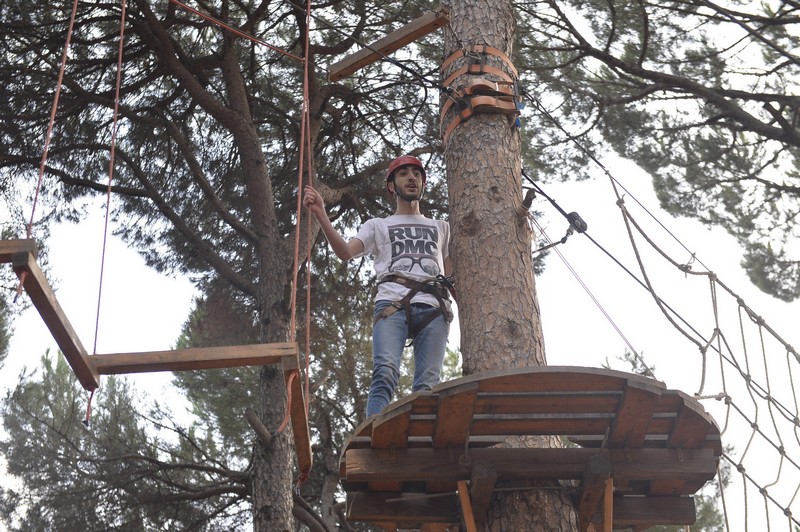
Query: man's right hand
313	201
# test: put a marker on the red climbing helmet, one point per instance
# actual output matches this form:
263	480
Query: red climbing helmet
404	160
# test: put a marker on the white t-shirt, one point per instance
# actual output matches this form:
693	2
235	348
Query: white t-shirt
409	245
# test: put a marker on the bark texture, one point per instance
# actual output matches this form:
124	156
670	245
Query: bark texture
491	251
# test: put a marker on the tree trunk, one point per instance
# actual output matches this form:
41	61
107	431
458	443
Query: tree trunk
491	251
272	470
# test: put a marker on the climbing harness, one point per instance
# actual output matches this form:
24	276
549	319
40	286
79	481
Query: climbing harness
441	288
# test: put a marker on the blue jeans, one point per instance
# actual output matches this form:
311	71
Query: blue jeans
388	341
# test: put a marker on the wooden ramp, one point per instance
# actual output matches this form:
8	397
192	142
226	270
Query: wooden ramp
88	368
637	450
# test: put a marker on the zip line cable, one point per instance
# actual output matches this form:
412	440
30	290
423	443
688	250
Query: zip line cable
595	300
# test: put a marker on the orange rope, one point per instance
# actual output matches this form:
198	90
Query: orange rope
110	170
236	31
287	415
49	133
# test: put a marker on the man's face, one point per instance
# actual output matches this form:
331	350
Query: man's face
408	182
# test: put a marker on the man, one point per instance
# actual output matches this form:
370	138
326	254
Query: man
412	264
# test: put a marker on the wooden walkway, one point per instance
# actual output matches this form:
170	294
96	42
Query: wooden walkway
88	368
637	450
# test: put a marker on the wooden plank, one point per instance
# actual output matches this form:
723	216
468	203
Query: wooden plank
414	509
550	379
402	508
634	415
436	527
56	321
481	483
466	506
592	489
689	430
299	419
541	425
454	416
691	426
390	43
195	358
608	505
390	431
649	511
547	402
424	465
8	248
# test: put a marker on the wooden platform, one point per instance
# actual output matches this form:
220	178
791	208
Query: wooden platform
88	368
649	447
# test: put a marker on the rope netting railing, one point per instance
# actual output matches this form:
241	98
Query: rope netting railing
748	383
747	372
746	375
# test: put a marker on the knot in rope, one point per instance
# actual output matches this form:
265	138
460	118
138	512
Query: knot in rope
740	468
302	478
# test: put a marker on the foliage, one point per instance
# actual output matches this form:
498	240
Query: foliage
701	95
115	474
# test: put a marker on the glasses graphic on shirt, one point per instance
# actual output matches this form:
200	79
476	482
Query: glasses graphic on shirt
406	263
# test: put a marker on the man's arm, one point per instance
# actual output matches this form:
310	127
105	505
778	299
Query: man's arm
344	250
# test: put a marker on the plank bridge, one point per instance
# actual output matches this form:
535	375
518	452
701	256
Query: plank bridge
88	368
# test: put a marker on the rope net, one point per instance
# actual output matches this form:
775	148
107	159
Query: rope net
737	364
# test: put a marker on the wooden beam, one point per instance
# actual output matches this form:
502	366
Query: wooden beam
424	465
9	247
402	508
592	489
196	358
389	432
299	419
454	416
407	510
481	484
53	316
466	506
392	42
650	511
608	505
634	414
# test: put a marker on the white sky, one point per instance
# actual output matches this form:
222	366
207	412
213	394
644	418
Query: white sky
143	311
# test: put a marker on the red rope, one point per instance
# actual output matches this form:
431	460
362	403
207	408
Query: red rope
88	417
238	32
49	134
112	159
309	153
